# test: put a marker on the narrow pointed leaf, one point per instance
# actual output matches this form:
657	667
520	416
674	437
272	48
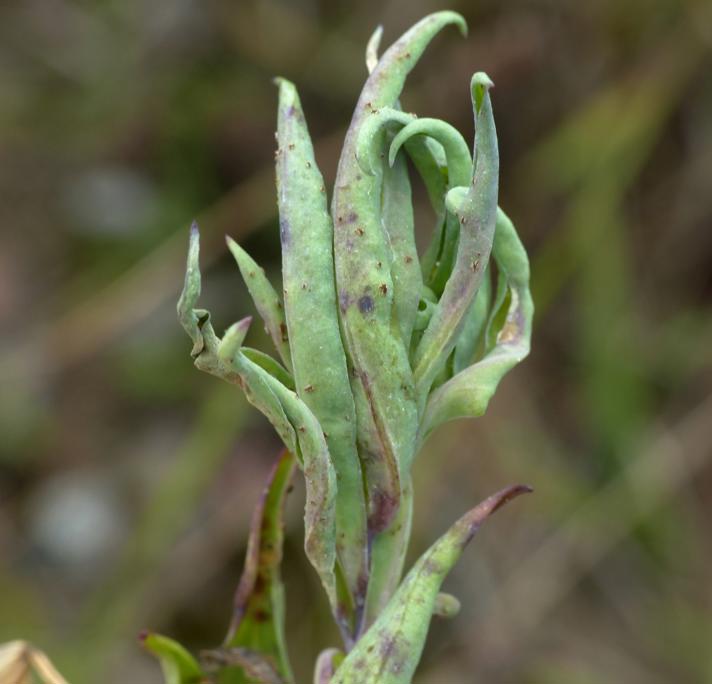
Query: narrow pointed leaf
468	393
389	652
476	209
320	370
258	614
372	46
267	301
399	224
179	666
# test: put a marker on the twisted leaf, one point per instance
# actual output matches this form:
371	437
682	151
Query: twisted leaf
196	323
468	393
476	209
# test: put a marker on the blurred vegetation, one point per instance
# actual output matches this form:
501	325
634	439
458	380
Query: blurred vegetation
127	477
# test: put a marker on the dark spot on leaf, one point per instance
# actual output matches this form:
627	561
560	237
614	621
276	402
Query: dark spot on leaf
283	331
309	388
359	231
383	288
352	217
365	304
408	259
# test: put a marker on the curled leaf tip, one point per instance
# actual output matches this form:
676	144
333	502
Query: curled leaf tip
233	338
454	18
496	501
446	605
285	86
479	86
374	42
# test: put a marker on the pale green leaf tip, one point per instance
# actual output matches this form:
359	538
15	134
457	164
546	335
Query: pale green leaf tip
454	18
191	287
374	43
446	606
286	87
237	251
479	87
233	338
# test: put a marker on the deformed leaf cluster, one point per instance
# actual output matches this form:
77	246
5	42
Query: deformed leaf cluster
377	347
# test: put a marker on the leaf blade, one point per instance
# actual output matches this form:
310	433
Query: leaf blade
389	652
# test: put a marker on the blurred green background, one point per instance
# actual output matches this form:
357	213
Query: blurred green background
127	477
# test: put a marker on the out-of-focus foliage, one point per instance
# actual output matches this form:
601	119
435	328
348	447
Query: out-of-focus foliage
127	479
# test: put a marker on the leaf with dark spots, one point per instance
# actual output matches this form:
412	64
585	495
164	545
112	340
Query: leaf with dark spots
390	650
386	415
318	356
365	304
257	624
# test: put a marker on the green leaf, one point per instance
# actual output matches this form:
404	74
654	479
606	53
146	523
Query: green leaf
476	209
272	366
206	347
398	221
382	382
473	330
314	458
267	301
457	166
468	393
318	357
258	614
179	666
390	650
